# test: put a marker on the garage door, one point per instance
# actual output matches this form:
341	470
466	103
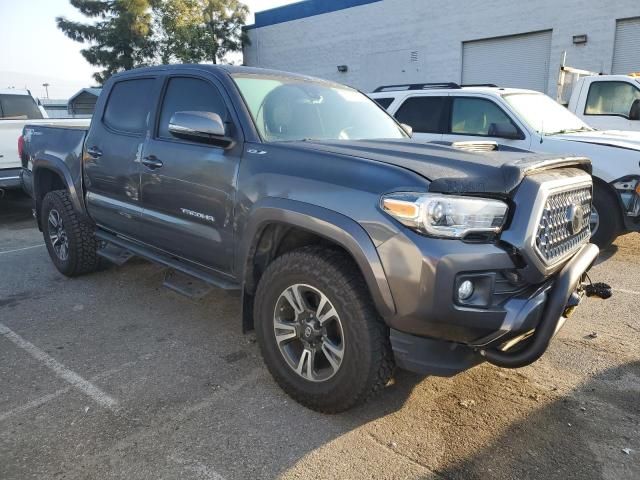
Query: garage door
626	53
516	61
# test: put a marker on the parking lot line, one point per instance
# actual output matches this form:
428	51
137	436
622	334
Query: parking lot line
21	249
33	403
100	397
52	396
622	290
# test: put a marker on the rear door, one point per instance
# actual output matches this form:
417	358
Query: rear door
471	117
427	115
188	194
112	155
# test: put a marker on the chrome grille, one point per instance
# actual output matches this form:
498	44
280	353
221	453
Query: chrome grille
564	225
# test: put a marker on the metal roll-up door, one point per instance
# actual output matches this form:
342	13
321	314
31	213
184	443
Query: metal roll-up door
626	52
520	61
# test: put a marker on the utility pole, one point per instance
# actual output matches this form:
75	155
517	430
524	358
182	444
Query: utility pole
46	88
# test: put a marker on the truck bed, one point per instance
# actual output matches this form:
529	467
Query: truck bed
54	144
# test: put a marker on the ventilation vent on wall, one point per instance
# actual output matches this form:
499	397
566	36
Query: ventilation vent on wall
413	56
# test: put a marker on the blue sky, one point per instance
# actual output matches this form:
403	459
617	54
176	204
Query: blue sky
34	51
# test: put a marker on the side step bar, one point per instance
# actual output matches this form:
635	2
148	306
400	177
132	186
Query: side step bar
168	261
115	254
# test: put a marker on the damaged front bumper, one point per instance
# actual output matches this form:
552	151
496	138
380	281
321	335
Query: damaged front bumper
563	297
527	329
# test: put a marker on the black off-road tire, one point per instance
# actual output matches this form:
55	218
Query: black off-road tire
608	208
368	362
82	243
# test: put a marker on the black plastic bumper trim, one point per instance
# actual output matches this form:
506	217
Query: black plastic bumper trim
427	356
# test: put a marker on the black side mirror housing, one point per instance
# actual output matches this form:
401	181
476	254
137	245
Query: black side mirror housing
504	130
634	113
204	127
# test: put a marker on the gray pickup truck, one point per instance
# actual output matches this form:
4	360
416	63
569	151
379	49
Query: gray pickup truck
353	248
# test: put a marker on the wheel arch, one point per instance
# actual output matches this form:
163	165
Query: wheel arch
50	173
276	226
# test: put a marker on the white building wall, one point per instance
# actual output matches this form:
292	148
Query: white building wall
375	40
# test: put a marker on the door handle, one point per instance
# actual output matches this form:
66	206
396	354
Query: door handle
94	152
152	162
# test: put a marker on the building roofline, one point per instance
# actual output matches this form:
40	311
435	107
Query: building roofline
302	9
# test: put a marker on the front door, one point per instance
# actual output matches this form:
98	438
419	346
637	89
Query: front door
471	119
112	153
187	188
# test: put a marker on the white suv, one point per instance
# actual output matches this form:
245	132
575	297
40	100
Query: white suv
527	120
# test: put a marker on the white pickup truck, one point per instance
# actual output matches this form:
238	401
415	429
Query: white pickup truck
18	107
527	120
607	102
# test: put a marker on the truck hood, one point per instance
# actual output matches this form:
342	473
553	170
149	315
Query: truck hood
611	138
450	170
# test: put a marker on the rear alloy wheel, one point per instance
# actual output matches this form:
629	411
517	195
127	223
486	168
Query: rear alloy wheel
58	235
321	338
69	237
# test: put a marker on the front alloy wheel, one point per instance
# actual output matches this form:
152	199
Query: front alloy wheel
308	332
318	332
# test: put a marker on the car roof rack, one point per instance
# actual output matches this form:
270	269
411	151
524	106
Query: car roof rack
480	85
416	86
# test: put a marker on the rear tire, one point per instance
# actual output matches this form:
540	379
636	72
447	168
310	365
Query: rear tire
609	224
70	239
364	361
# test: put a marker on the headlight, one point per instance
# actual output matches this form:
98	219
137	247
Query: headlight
447	216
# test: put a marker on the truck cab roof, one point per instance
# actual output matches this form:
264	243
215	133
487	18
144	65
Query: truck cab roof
14	91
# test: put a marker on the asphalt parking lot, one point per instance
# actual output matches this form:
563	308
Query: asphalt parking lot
112	376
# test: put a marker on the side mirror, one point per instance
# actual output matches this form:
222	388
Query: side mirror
206	127
634	113
407	129
504	130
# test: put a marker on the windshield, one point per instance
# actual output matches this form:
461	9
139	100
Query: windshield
288	109
544	115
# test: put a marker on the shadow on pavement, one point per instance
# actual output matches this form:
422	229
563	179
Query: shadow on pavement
15	207
580	436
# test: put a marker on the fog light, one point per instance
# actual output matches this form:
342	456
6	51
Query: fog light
465	290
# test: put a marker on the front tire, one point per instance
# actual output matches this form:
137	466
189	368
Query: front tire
606	224
70	239
320	337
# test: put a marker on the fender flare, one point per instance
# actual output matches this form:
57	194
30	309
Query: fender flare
325	223
54	164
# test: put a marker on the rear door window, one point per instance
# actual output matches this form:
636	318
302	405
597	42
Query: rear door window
423	114
185	94
611	98
18	107
129	105
474	116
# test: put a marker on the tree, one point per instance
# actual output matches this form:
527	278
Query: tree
194	31
120	38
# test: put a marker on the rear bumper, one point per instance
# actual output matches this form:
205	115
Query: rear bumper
528	326
27	181
10	178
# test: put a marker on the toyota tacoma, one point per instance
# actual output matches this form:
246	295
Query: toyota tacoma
353	248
